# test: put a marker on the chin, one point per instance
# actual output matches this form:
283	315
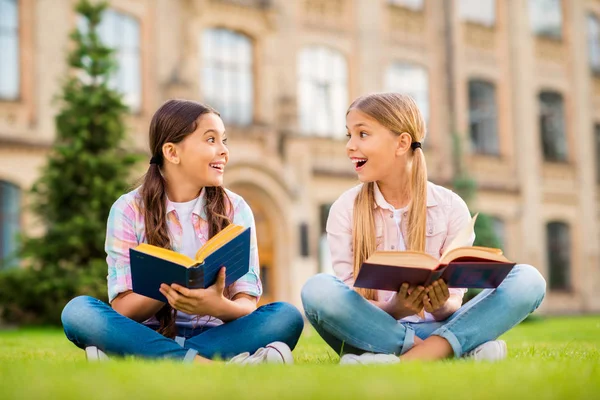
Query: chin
365	178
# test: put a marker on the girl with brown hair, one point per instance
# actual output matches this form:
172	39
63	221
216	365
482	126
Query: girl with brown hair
395	208
180	205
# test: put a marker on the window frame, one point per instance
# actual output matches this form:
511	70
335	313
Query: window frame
235	108
559	278
485	145
328	73
544	118
14	93
423	99
538	30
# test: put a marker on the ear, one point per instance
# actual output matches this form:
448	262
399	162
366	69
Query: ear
170	153
403	143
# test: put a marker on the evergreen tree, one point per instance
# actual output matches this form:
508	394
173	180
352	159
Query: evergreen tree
86	171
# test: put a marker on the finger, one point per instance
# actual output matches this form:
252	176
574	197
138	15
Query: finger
169	295
427	304
402	293
181	289
445	289
434	300
415	294
220	283
439	293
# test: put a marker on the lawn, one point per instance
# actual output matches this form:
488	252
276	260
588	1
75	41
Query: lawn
554	358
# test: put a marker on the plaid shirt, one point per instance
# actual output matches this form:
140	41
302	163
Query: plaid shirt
126	229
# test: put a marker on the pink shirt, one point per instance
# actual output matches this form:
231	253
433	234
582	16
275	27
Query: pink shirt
447	213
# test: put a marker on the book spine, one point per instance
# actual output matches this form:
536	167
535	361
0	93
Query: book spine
195	277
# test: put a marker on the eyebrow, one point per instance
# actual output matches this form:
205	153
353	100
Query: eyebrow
357	125
215	132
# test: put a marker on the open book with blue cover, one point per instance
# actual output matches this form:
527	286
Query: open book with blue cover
461	266
151	265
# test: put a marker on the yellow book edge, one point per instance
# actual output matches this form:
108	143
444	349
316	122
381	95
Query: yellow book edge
208	248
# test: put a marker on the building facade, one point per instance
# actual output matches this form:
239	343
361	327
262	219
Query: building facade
518	81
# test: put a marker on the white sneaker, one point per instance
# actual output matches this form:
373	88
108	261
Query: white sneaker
273	353
494	350
369	358
93	353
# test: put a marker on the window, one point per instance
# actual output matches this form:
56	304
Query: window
10	214
483	119
552	125
411	4
322	91
227	78
412	80
9	50
545	17
594	42
121	33
481	12
597	134
559	255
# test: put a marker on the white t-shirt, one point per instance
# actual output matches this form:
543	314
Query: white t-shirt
190	241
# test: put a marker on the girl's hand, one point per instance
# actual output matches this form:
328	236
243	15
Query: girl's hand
407	303
197	301
435	296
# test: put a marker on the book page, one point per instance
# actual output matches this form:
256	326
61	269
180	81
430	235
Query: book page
463	239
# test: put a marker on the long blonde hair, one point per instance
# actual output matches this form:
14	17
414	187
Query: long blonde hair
398	113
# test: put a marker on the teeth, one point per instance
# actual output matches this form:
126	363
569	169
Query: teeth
357	160
217	166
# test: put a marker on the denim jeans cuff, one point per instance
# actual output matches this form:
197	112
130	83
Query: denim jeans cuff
190	355
409	340
452	339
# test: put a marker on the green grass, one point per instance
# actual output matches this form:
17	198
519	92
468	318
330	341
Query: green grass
548	359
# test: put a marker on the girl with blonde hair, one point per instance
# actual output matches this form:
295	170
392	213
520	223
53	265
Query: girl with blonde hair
396	208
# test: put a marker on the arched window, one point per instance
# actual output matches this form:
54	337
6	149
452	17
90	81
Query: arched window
227	76
410	79
322	91
121	32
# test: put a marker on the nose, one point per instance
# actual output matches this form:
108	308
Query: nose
224	150
350	146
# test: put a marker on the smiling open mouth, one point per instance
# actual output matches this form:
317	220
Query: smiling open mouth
359	162
219	167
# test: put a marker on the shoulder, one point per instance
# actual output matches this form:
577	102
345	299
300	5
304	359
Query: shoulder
450	201
345	203
128	203
240	207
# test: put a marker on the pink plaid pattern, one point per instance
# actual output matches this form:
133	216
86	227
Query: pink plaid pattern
125	229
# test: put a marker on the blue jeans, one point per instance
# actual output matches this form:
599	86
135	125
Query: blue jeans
91	322
351	324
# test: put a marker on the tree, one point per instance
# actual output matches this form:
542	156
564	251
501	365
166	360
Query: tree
86	171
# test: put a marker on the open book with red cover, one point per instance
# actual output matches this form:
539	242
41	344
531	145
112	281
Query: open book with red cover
461	266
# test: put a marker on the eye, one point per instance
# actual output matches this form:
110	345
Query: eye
363	134
348	135
211	139
225	141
